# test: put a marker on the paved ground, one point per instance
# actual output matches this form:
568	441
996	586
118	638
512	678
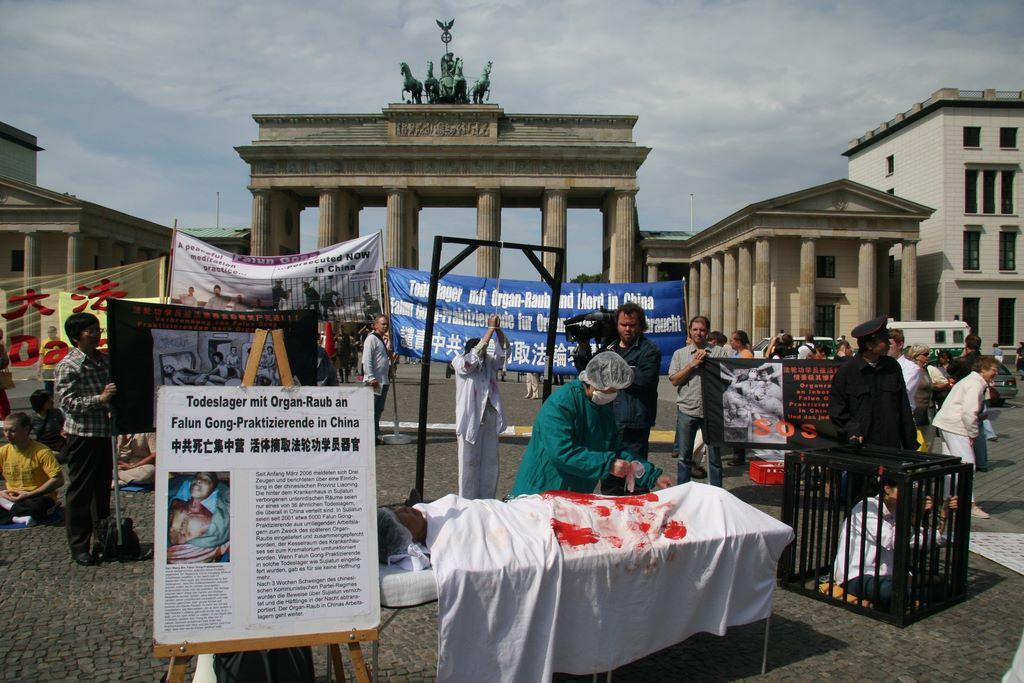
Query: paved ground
72	623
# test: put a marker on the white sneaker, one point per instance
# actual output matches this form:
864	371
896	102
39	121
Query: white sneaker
979	513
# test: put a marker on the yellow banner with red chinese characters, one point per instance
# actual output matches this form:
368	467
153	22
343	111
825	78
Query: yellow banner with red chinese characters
35	308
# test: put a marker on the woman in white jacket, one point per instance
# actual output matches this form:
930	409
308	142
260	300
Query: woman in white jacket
958	417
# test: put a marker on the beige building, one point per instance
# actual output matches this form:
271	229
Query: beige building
960	152
413	156
813	261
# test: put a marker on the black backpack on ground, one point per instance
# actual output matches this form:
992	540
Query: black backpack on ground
106	539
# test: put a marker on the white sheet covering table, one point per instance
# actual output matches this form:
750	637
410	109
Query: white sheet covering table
583	584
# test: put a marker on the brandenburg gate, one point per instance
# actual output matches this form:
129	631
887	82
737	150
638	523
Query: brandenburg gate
412	156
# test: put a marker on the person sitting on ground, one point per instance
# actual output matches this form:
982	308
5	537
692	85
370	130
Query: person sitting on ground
136	459
864	540
47	422
31	474
575	441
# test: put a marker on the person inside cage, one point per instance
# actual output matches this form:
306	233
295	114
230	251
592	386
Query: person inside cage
865	541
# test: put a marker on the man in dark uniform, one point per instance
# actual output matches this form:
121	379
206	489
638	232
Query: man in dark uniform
636	406
868	402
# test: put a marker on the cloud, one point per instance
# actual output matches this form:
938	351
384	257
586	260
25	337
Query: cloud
141	103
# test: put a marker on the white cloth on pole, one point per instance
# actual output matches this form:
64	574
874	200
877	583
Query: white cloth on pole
582	584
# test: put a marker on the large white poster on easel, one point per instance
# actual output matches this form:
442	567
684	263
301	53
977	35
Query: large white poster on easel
265	520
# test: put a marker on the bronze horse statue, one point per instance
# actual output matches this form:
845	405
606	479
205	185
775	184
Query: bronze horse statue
411	85
482	86
430	85
460	84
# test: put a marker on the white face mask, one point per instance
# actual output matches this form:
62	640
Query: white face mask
602	397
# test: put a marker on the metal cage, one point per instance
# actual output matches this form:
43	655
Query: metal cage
854	547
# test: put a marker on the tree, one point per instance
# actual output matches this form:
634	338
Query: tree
584	278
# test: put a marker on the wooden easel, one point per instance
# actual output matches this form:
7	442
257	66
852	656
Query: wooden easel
181	653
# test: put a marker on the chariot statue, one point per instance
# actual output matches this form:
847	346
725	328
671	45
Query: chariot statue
451	87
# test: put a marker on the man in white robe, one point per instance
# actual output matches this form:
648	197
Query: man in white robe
479	417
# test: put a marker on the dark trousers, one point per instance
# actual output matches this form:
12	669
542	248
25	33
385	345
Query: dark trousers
89	468
378	408
638	441
38	508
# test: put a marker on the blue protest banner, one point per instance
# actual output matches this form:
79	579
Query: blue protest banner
465	302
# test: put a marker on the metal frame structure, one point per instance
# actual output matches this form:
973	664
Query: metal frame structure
436	273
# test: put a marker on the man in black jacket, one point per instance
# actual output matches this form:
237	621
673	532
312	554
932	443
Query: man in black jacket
636	406
868	402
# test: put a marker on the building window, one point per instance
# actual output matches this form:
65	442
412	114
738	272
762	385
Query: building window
825	320
827	266
17	260
988	191
891	190
1007	250
1007	138
972	136
1006	190
1004	325
890	164
972	250
970	313
970	191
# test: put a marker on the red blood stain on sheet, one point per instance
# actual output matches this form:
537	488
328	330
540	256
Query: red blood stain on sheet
603	511
592	500
674	531
572	535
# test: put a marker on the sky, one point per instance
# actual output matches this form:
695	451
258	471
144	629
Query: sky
139	105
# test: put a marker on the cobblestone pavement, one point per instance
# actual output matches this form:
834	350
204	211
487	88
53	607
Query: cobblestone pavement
73	623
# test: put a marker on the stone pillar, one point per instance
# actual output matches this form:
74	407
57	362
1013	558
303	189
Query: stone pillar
652	272
807	277
131	253
488	227
76	253
705	288
554	219
762	289
104	252
715	312
259	239
882	300
411	230
744	286
394	234
33	257
867	281
728	292
693	289
327	230
623	257
908	281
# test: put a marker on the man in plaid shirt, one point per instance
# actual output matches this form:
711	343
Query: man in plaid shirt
83	386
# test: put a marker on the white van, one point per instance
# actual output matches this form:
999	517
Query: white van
940	335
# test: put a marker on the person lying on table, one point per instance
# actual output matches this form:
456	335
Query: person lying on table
575	441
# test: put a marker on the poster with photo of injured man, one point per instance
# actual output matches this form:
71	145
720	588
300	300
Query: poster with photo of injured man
265	521
769	404
154	345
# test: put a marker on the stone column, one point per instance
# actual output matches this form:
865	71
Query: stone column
652	272
728	292
807	277
259	239
705	288
488	227
867	281
693	289
327	230
762	289
744	272
411	230
131	253
104	252
33	257
76	253
623	258
908	281
394	235
554	219
715	313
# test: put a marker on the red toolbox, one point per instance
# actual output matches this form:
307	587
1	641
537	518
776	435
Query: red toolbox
767	473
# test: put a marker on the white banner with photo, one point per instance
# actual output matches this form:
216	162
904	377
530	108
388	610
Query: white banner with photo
340	282
265	520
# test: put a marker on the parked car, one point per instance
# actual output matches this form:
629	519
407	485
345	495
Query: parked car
1005	385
